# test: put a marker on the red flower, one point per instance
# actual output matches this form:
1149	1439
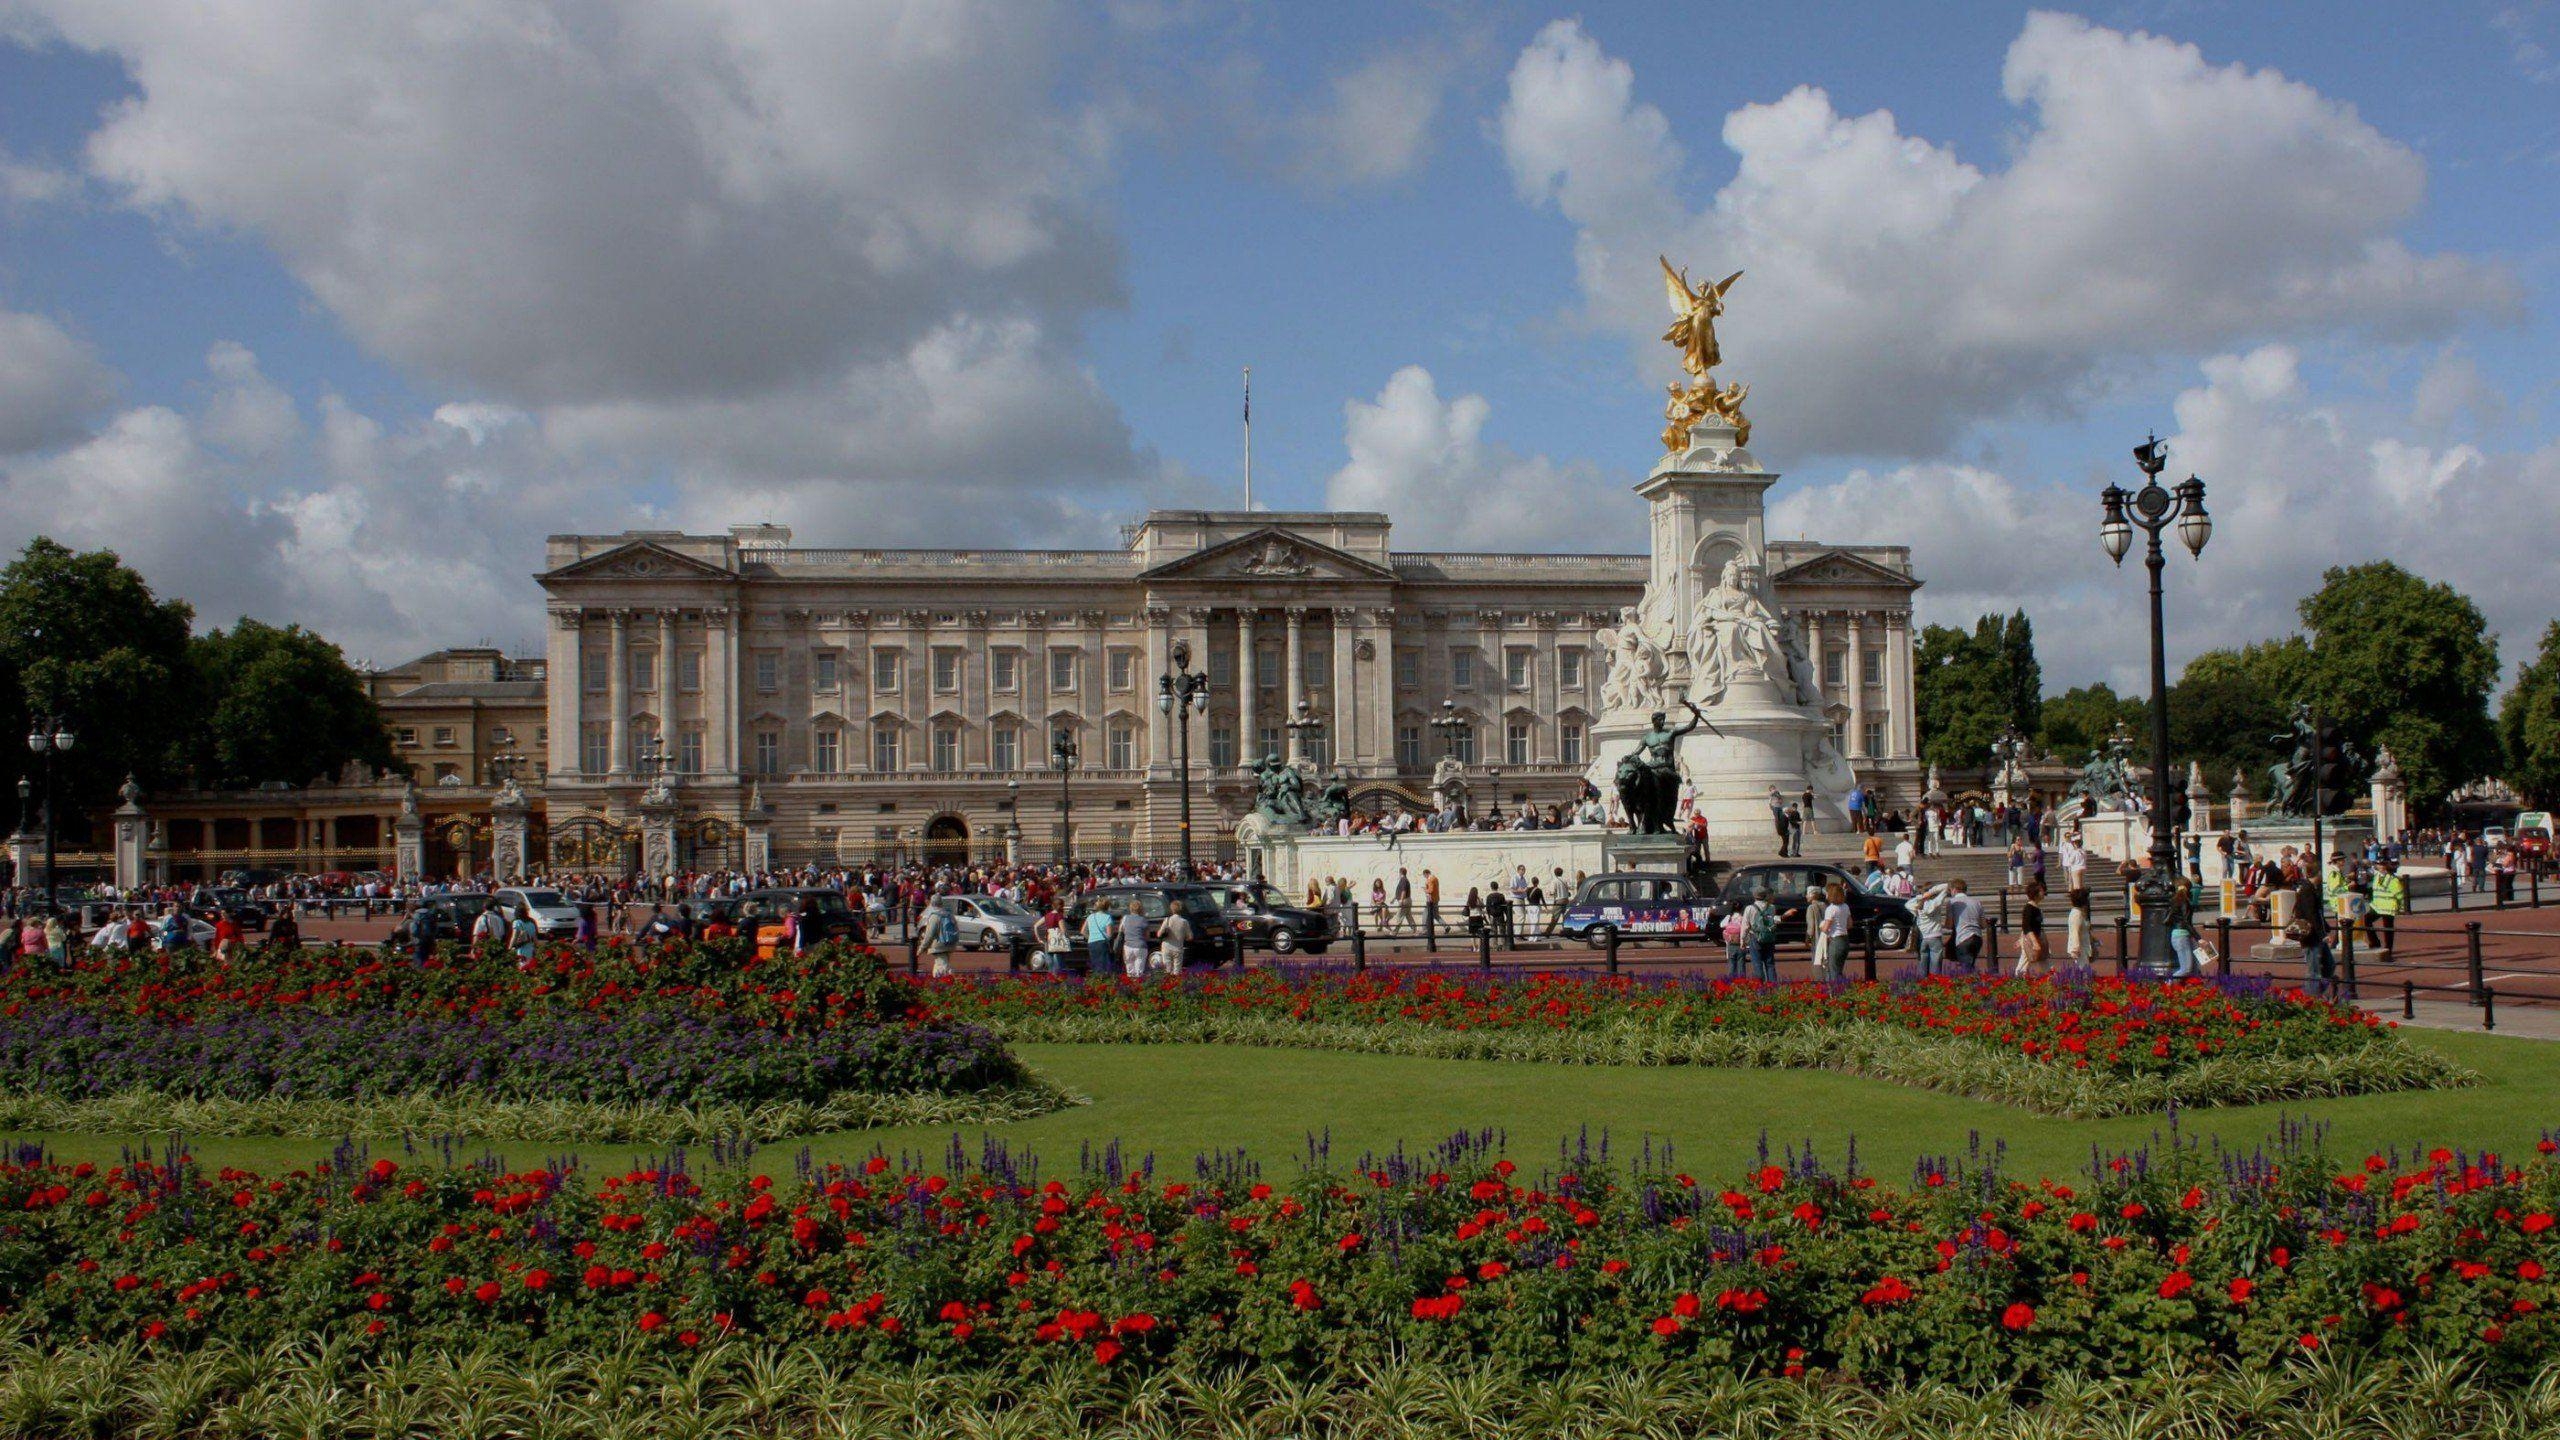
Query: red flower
1891	1290
1106	1352
1303	1296
651	1321
2018	1316
487	1293
1666	1325
537	1278
2241	1289
2178	1283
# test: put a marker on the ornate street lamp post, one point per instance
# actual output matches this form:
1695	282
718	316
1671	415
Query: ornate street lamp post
1181	691
1062	758
1304	727
1451	725
49	738
2007	752
1013	824
2155	508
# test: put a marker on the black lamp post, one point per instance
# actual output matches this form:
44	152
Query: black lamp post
49	738
1181	691
1451	725
2155	508
2006	752
503	766
1062	758
1304	725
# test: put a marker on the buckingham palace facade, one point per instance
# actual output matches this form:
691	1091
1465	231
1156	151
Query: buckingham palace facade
851	704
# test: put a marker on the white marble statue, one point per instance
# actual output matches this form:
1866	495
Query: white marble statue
1735	635
1637	666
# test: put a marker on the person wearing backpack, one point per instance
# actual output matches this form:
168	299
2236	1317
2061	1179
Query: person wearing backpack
1760	923
942	936
1737	944
1929	924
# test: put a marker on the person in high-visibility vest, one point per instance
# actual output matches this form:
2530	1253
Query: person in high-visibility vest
2390	897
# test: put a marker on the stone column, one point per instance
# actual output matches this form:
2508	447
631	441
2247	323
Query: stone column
720	689
658	815
1378	628
1248	691
1294	679
1159	662
617	686
1897	671
566	700
759	827
666	676
409	847
133	830
1858	685
1811	621
507	841
1345	726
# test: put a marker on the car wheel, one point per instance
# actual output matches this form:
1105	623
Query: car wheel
1598	936
989	941
1892	935
1284	941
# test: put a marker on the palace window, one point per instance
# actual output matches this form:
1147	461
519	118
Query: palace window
595	668
1569	748
1005	748
1062	670
689	669
884	749
1835	665
408	734
444	734
1462	744
946	748
1462	669
595	748
1267	668
946	671
1004	670
1875	667
1124	669
768	755
830	751
1875	735
1408	669
689	750
1318	666
1515	669
644	670
824	672
1123	746
885	665
1409	748
1222	746
1319	747
1222	666
1266	741
1515	743
1569	669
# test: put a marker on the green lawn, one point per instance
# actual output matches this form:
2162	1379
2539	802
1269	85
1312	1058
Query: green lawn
1180	1100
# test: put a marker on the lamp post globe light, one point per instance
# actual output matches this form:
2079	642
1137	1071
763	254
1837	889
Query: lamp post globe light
2154	509
1062	758
1304	726
1181	692
48	739
1451	725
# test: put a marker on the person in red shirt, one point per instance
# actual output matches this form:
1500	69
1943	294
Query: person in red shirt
226	936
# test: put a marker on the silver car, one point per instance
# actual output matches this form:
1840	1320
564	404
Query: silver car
991	922
553	912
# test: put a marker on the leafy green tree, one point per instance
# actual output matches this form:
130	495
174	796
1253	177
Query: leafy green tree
2402	661
281	704
2080	720
82	635
2529	724
1970	686
2229	705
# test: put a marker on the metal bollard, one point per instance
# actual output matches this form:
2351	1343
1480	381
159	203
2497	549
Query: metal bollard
1871	954
1015	950
2124	959
2453	892
2533	887
2222	941
2408	999
2347	960
2471	961
1609	949
1484	946
1510	932
1430	933
2488	1008
1359	952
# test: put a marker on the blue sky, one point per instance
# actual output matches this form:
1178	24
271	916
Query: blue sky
326	313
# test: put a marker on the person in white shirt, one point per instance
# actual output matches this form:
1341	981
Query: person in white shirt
1929	923
1172	933
1902	853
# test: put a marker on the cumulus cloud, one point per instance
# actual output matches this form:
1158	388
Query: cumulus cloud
2296	484
1373	123
52	385
1426	462
2152	205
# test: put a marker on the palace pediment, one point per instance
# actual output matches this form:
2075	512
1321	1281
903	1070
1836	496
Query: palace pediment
1839	567
1270	554
638	560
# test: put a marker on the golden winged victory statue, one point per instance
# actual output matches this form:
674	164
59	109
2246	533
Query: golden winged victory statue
1693	331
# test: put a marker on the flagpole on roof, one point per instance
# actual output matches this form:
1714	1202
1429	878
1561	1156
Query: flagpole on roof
1248	437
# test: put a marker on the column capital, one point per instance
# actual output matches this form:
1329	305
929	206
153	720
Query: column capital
568	619
1297	616
621	618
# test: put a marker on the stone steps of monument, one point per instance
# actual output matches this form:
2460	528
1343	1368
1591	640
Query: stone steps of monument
1985	872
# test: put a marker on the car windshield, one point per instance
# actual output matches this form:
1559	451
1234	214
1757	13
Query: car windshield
998	905
544	899
826	902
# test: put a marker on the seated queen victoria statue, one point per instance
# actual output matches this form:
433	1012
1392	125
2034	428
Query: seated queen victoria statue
1735	635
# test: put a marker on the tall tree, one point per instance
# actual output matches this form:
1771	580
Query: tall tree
1972	685
81	634
281	704
2529	724
2078	721
2402	661
2229	705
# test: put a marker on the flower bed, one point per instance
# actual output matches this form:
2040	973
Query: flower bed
2079	1047
1964	1275
678	1043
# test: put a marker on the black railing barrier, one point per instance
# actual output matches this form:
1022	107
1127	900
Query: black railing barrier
1609	949
2472	963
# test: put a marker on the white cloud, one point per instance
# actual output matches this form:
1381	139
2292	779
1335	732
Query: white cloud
1427	463
52	385
2152	205
1374	122
24	182
2296	484
246	413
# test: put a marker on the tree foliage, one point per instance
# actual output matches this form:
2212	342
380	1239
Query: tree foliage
281	704
2402	661
2080	720
2529	724
1972	685
2229	705
81	635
